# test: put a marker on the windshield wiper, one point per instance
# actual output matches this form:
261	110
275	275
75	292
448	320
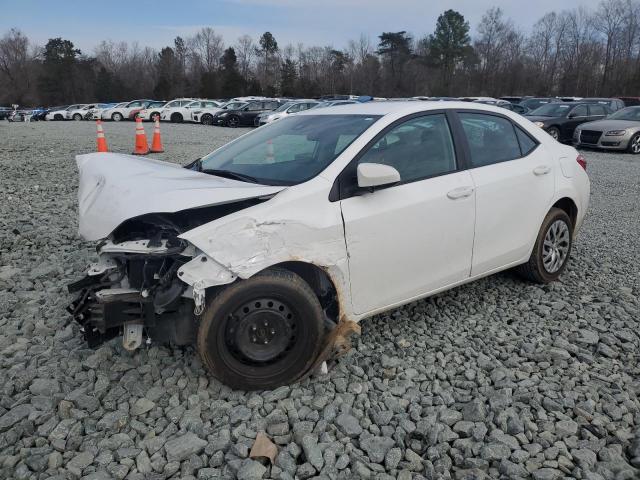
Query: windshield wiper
229	174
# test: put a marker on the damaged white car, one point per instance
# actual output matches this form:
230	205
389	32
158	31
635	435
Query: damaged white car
267	252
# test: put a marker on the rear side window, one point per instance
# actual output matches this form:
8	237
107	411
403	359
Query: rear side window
597	110
527	144
491	139
580	111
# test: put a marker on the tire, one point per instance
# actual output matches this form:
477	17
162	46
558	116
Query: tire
554	132
58	117
233	121
634	144
154	115
77	117
292	331
207	119
117	117
555	235
176	118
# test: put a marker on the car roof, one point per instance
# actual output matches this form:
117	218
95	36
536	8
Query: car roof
400	107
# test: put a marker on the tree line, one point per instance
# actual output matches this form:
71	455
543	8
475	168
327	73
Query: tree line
577	52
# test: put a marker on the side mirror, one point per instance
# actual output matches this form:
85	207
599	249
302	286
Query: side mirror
371	175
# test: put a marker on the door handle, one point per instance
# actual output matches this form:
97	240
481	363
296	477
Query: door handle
461	192
542	170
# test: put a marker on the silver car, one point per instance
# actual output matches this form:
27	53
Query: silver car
619	131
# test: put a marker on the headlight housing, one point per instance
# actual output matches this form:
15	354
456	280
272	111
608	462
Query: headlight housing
615	133
539	124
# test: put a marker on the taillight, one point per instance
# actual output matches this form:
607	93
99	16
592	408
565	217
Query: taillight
582	161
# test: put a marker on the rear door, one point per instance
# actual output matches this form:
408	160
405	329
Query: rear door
597	112
514	182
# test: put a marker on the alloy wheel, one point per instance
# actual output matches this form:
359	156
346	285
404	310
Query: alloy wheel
635	144
555	247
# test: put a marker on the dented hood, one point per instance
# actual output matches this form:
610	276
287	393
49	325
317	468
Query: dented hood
115	187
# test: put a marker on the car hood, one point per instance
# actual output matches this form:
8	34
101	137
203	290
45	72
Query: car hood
609	124
115	187
540	118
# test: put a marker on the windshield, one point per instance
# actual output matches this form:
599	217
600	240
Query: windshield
284	106
629	113
233	105
289	151
551	110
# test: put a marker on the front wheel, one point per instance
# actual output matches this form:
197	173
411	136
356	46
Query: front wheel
207	119
262	332
116	117
554	132
551	250
154	116
176	118
233	121
634	144
77	117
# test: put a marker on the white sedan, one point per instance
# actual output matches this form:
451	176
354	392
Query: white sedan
170	111
268	251
122	112
185	113
62	114
80	113
152	111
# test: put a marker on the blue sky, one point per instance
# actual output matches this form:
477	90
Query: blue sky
313	22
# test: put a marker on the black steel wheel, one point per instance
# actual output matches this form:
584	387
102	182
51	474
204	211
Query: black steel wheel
262	332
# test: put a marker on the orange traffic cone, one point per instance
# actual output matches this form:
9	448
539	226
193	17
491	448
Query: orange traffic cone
142	147
156	143
101	141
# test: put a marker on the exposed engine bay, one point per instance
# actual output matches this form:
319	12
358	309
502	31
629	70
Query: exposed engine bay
134	290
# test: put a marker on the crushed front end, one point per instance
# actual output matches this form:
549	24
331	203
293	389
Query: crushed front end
133	290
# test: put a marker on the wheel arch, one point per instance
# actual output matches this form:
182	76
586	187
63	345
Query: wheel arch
569	206
320	281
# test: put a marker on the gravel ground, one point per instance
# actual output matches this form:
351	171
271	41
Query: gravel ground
496	379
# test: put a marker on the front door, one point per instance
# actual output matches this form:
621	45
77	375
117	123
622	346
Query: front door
415	237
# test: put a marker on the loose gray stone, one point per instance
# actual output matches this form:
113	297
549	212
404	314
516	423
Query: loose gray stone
349	425
181	448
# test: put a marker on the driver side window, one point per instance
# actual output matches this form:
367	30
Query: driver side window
419	148
580	111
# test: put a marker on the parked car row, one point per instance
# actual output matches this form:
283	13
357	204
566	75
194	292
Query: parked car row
590	122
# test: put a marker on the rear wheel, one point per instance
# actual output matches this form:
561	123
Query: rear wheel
233	121
634	144
262	332
551	250
554	132
207	119
154	116
116	117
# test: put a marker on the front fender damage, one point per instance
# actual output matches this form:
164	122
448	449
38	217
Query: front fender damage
242	247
